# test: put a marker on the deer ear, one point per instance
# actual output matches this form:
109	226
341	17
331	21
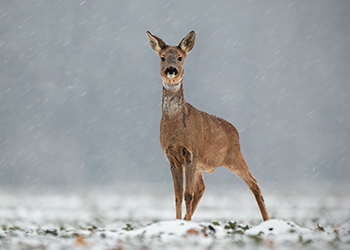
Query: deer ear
157	44
187	43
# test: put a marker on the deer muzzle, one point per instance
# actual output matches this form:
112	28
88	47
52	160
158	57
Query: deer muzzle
171	72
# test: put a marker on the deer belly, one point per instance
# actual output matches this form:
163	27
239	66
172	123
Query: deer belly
207	169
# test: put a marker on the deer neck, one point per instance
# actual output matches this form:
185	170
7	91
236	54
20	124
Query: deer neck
173	100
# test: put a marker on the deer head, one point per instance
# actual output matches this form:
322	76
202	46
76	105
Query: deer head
172	59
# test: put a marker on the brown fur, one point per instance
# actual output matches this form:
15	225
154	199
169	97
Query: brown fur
194	141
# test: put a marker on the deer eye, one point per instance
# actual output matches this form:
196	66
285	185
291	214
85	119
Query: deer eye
180	59
163	59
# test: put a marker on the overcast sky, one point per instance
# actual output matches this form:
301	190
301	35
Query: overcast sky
80	90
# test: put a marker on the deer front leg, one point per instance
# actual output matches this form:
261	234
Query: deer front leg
177	173
189	191
190	171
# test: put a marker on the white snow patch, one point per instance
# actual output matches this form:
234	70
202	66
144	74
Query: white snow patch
144	221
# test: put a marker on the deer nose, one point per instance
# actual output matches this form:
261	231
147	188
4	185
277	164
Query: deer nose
171	70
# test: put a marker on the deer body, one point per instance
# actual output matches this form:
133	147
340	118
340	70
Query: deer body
215	141
192	140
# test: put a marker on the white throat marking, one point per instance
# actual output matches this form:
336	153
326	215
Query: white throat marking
172	86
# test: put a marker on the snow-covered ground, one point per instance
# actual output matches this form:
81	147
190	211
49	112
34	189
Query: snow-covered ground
224	220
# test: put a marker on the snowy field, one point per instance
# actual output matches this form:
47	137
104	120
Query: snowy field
223	220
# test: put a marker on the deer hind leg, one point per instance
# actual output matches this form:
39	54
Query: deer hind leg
198	191
240	169
177	173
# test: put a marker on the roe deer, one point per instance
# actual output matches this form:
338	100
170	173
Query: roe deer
194	141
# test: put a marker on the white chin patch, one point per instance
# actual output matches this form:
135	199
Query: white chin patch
171	75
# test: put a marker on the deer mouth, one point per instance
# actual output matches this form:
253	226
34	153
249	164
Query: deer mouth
171	72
